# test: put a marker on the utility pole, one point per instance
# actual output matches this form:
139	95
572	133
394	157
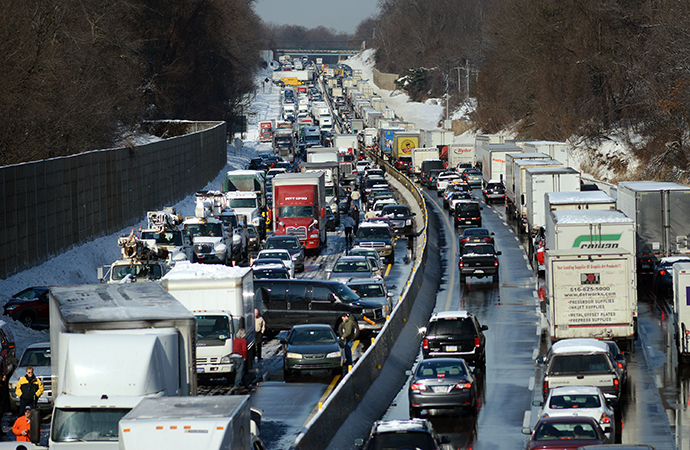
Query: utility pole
467	72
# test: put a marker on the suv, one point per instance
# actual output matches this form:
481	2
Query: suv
414	433
290	243
401	219
585	362
403	164
478	260
494	190
29	306
467	213
37	356
377	236
455	334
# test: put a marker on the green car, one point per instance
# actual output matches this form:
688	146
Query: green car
312	347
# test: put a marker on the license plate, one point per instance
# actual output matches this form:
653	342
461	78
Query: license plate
451	348
42	399
468	222
440	389
199	370
478	271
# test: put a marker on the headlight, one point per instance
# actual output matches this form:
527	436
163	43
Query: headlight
220	248
226	359
388	246
293	356
11	307
333	355
408	222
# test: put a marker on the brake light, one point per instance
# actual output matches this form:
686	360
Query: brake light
662	272
495	263
425	344
620	365
418	387
616	384
604	418
477	342
545	388
460	264
463	386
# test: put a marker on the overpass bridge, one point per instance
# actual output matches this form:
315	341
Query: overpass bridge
337	53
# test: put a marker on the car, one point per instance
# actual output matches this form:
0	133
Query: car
557	433
380	204
662	279
377	236
368	184
403	164
588	401
291	244
467	213
257	164
478	260
582	361
451	199
29	306
619	358
38	357
476	236
415	434
8	350
455	334
253	239
401	219
432	176
473	176
276	253
312	347
373	256
444	179
347	267
270	271
378	195
442	384
373	289
494	191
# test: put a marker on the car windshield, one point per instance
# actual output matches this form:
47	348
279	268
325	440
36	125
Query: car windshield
314	336
296	211
477	250
345	293
397	211
351	266
287	244
409	440
242	203
273	274
574	401
578	364
440	369
164	238
373	233
36	357
280	255
212	328
456	327
205	229
369	290
576	430
476	232
137	271
467	207
229	220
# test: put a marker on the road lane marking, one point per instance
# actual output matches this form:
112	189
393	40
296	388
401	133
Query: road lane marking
527	419
388	270
530	386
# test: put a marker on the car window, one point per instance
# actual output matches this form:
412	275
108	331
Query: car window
369	290
297	293
467	207
577	430
459	327
440	369
574	401
578	364
312	336
321	293
387	441
35	357
478	250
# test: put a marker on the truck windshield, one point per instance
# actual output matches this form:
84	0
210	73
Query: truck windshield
330	191
87	424
242	183
164	238
205	229
212	328
137	271
242	203
296	211
313	139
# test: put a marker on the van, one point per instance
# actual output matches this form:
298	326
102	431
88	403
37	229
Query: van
427	166
285	303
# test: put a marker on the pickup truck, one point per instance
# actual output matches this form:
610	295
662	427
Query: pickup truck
478	260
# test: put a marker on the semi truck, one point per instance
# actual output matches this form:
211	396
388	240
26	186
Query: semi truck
331	173
247	181
403	143
591	294
493	160
516	196
662	215
222	301
681	308
539	181
113	345
284	143
210	423
461	153
434	138
299	208
266	131
509	181
555	150
213	243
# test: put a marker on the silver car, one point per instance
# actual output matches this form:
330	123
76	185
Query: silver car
348	267
37	356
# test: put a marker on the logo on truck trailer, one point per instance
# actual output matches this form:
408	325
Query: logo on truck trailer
587	241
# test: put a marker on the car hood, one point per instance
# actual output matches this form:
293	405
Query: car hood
39	371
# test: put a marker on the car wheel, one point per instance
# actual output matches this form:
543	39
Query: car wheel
27	319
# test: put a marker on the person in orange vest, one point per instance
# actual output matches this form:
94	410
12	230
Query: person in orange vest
22	426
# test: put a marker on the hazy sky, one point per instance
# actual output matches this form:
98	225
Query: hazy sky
341	15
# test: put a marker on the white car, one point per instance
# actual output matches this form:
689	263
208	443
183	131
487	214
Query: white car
278	253
443	180
588	401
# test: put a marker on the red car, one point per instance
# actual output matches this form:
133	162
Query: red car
29	306
559	433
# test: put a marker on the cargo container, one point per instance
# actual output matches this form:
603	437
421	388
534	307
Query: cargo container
493	160
459	153
556	150
539	181
589	230
559	201
519	178
509	181
403	143
681	308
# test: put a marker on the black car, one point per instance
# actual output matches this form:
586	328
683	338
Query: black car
415	434
467	213
432	177
494	191
476	236
478	260
401	219
377	236
662	279
29	306
455	334
291	244
257	164
272	272
442	384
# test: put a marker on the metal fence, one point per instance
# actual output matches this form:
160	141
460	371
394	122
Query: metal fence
52	205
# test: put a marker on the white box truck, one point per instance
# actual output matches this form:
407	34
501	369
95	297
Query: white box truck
539	181
509	181
662	215
112	346
419	155
519	187
681	308
555	150
222	301
589	230
209	423
493	160
461	153
559	201
591	294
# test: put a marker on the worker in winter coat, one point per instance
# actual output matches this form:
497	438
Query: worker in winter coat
28	389
22	426
348	330
239	355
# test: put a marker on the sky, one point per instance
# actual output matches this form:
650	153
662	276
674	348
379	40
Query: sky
343	16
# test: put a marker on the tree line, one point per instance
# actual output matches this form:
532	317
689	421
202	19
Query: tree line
75	74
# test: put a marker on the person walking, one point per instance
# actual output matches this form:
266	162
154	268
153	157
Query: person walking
355	216
355	196
239	355
260	329
22	426
369	214
348	223
348	330
28	389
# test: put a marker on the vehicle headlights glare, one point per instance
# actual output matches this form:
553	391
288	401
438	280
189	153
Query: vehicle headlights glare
293	356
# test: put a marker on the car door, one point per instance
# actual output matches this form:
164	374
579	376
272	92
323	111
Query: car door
271	294
297	304
325	306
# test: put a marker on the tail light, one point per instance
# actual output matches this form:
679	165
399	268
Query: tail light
495	263
461	386
477	342
604	418
418	387
620	365
662	272
545	387
425	344
460	264
616	384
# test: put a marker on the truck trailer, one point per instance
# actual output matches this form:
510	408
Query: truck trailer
539	181
493	160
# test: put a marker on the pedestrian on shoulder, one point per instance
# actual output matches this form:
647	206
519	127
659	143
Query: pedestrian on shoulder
29	388
260	329
348	330
239	355
22	426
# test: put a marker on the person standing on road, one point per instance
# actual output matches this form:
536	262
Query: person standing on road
260	329
22	426
348	223
239	355
355	196
28	389
355	216
348	330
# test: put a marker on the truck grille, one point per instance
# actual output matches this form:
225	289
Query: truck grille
372	244
300	232
398	223
318	356
200	361
203	248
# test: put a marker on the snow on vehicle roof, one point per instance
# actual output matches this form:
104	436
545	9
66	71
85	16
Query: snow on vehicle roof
578	345
653	186
185	270
569	390
245	172
186	407
391	426
674	259
550	170
590	216
450	315
537	162
577	197
373	225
